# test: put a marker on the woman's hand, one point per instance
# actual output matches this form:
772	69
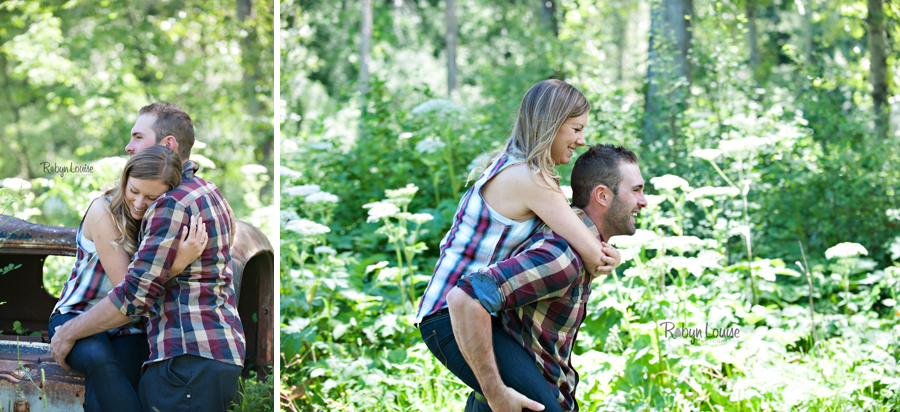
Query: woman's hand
193	243
609	261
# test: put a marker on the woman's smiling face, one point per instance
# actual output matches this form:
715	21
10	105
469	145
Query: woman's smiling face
140	194
569	136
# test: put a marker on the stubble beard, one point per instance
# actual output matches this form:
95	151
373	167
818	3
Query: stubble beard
618	219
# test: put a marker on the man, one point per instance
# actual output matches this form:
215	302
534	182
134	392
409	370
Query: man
540	293
196	339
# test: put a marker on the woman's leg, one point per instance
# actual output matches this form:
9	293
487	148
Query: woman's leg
517	369
107	388
131	351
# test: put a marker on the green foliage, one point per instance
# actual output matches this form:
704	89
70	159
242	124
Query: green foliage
776	160
73	76
254	394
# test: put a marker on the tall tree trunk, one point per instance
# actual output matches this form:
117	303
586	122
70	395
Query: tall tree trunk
805	9
548	15
752	36
452	28
621	37
669	68
878	67
364	54
250	65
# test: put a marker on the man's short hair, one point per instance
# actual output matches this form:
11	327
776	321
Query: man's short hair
598	166
171	120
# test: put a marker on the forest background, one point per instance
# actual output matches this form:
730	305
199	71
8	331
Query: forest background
768	135
73	76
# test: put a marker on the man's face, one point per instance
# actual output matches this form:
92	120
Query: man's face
619	218
142	134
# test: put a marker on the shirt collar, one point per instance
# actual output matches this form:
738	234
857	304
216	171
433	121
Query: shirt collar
188	168
589	223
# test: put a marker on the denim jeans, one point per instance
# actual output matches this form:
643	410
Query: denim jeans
517	368
188	383
112	367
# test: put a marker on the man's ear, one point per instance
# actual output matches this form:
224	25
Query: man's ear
602	195
169	142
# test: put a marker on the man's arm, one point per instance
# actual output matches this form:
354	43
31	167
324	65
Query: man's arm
473	336
100	318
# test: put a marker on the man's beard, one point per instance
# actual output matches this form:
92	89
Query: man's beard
617	220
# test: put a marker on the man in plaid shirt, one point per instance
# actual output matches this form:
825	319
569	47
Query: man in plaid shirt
196	338
541	291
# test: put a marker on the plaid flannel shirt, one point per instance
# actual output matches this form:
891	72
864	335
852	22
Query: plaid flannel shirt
193	312
540	293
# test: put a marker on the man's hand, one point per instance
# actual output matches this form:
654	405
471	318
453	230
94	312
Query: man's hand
509	400
60	346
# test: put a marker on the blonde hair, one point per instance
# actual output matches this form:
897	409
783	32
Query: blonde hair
544	110
153	163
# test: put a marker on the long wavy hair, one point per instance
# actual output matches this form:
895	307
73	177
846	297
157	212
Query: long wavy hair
544	109
153	163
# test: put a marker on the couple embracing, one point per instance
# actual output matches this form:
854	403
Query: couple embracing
511	286
149	313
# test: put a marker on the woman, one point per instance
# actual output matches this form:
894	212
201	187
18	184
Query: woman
107	239
517	191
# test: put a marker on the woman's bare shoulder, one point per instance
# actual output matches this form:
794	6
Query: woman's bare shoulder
98	217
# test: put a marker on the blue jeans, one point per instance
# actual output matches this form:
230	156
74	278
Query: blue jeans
112	367
517	369
188	383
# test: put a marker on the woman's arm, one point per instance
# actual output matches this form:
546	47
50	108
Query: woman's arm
553	208
102	230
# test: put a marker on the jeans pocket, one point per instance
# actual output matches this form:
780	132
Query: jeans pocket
171	376
434	345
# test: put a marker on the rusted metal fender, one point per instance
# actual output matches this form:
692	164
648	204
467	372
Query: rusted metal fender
23	237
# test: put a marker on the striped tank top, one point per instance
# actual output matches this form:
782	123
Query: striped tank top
478	237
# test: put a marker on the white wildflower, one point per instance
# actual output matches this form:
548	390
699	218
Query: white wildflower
403	193
711	191
387	274
405	135
319	145
296	325
301	191
253	169
203	161
440	106
380	210
893	214
669	182
307	227
567	190
287	172
419	218
640	238
654	200
376	266
845	250
287	216
707	154
14	183
430	145
322	197
743	146
325	250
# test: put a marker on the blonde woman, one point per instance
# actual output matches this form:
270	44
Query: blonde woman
514	193
107	239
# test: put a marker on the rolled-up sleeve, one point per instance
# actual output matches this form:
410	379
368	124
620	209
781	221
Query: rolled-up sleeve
543	270
149	271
